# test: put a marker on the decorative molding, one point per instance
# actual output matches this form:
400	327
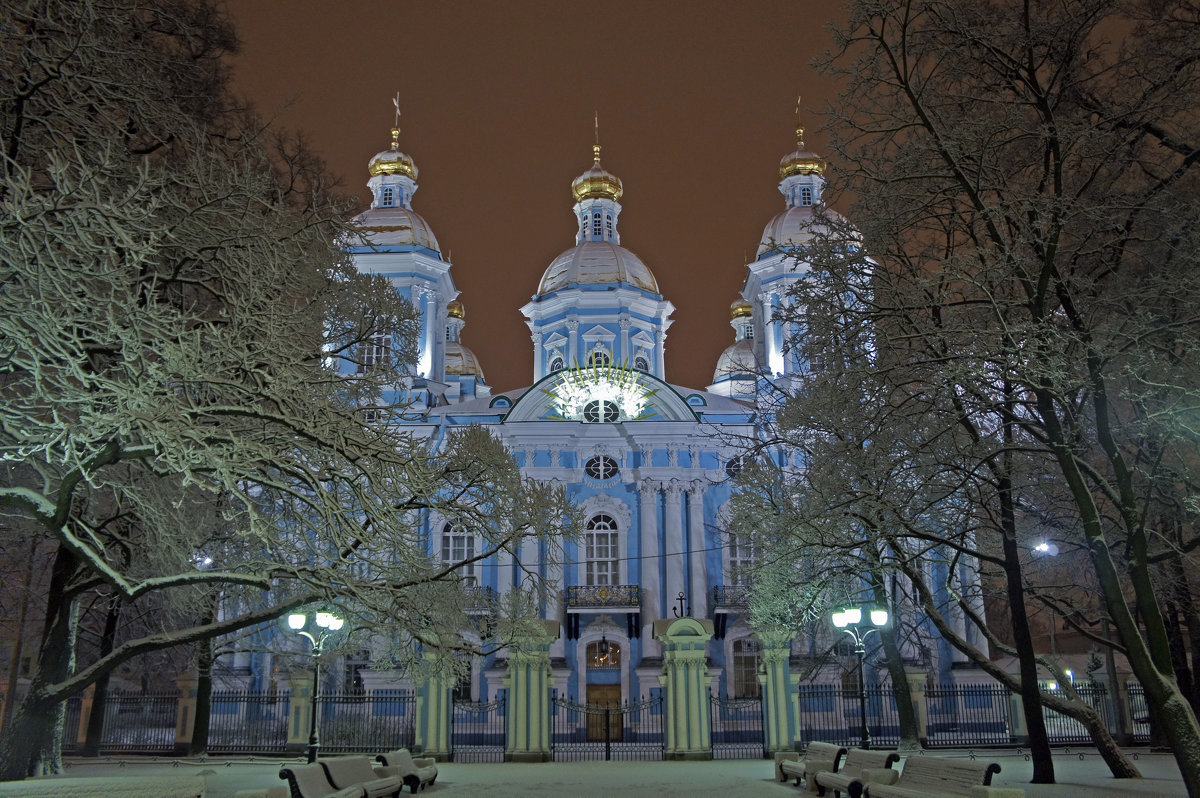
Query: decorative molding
609	505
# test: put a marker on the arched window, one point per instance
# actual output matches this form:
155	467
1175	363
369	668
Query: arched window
806	195
556	364
596	225
608	224
745	668
600	550
641	363
602	655
598	357
601	411
389	197
458	545
601	468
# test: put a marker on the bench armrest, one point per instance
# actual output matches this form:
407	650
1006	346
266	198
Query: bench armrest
424	762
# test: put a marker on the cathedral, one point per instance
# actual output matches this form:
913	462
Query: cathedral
648	462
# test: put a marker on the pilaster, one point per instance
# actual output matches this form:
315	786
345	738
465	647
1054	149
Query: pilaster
698	598
649	567
435	703
301	707
780	693
185	717
673	533
528	682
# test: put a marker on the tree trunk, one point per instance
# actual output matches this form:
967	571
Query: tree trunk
32	745
906	714
95	729
204	666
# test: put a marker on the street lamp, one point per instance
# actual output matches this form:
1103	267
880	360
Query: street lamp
851	621
326	622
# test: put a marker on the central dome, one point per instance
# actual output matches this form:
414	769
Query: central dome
597	262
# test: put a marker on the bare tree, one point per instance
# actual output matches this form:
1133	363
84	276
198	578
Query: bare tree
180	403
1028	187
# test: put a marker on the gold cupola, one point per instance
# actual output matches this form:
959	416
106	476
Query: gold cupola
741	309
800	161
597	183
455	310
392	161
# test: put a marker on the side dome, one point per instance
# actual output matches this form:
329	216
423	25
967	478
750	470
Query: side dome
396	226
738	359
793	227
461	361
596	262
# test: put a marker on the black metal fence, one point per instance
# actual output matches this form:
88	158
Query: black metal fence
477	731
968	714
832	713
613	731
367	721
248	721
136	721
71	730
1139	712
737	727
1065	730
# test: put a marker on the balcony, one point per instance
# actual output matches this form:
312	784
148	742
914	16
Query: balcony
729	598
617	598
480	600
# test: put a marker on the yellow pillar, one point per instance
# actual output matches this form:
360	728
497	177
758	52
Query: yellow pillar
528	682
685	680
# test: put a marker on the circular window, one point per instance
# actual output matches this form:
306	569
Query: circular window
600	411
599	358
556	364
601	468
735	466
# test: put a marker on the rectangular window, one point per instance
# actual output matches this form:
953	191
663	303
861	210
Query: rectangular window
375	352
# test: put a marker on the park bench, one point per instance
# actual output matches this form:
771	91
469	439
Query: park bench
817	756
415	773
356	771
942	777
311	781
859	766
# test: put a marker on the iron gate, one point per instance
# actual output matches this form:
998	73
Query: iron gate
607	731
737	727
477	731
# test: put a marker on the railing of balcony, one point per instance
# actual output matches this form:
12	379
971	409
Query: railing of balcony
604	596
730	596
480	598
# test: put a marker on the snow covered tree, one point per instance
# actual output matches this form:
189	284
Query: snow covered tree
179	407
1028	187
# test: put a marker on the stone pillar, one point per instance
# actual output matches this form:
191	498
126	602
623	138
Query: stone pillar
572	356
673	540
85	713
435	703
698	597
185	716
539	367
300	707
1019	727
687	733
528	682
649	567
780	694
916	679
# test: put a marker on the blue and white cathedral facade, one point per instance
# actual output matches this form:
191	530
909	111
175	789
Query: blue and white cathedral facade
647	461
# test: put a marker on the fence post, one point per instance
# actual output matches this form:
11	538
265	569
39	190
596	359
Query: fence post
916	679
86	700
301	684
435	705
780	693
186	715
1016	712
528	684
685	680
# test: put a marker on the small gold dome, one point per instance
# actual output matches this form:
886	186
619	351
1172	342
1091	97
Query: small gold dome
597	182
741	309
455	310
393	162
800	161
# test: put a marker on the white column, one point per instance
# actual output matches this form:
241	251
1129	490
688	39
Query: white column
696	545
626	354
573	355
673	540
431	331
539	367
648	512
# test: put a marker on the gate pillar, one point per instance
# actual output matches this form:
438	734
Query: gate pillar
435	701
781	698
685	680
528	682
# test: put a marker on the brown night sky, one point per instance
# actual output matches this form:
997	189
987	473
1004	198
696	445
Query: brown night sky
696	103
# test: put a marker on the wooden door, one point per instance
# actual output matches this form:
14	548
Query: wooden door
600	695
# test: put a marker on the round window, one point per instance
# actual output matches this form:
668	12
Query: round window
735	466
600	411
601	468
598	358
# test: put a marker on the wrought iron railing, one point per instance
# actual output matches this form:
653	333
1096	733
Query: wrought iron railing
730	596
603	596
480	599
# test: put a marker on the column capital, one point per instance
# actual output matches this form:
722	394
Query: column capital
673	488
648	487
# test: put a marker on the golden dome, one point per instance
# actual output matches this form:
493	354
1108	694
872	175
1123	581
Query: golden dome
800	161
461	361
455	310
393	162
597	182
741	309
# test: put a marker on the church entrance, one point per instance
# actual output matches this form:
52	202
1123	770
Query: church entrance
600	726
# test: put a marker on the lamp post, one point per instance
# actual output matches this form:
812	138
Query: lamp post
326	622
851	621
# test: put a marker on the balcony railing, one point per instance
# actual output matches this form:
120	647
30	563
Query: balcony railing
603	596
480	599
730	597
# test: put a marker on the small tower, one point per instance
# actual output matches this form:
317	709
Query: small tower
464	375
737	371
